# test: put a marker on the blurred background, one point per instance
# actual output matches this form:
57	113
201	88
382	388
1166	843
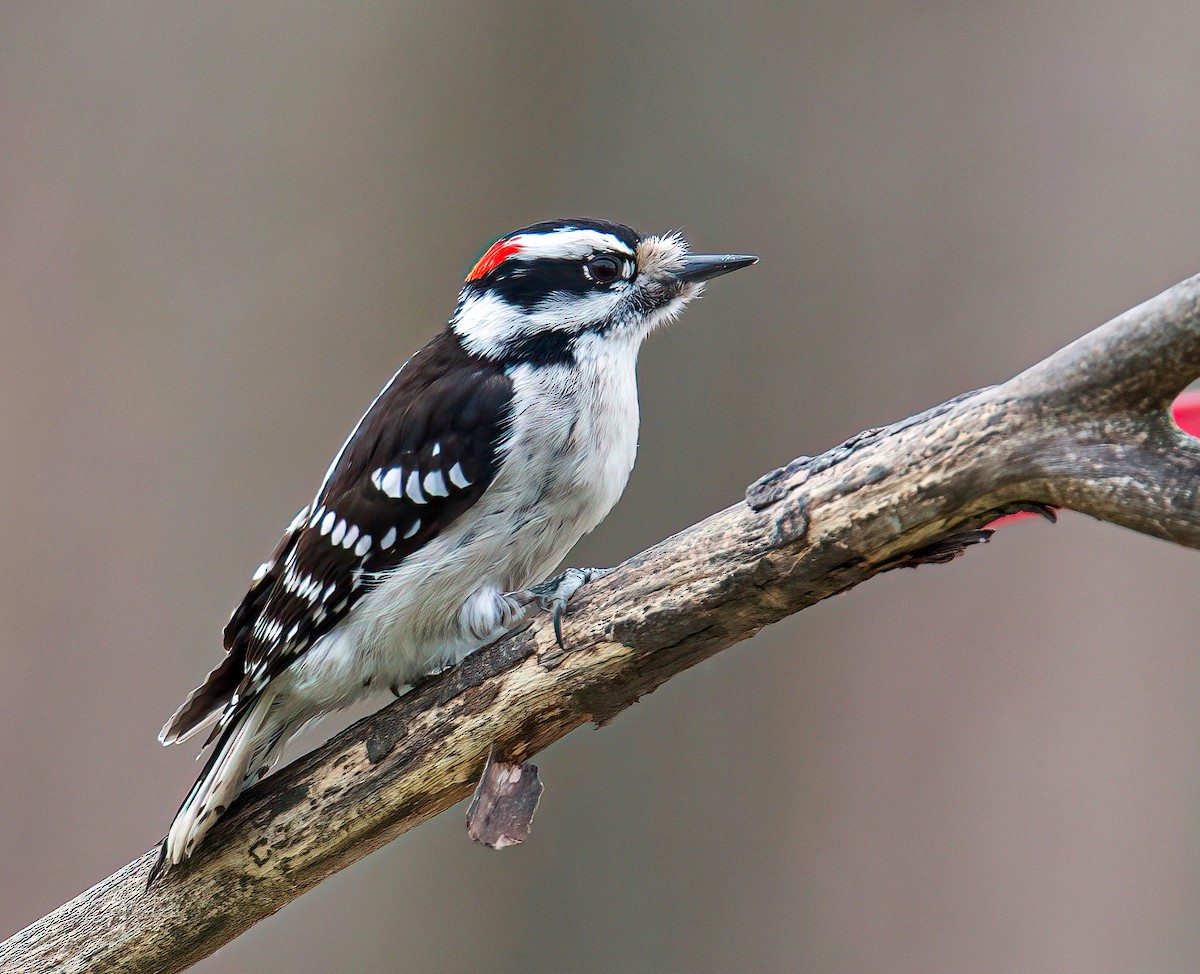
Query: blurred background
222	226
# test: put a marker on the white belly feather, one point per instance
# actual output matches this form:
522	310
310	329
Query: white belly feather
565	465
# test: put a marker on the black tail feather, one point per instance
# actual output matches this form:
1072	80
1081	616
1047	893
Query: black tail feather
212	696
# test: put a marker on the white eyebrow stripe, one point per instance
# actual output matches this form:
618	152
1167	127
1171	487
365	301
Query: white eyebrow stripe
569	244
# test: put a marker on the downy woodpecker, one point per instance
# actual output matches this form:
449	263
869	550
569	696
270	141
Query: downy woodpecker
484	459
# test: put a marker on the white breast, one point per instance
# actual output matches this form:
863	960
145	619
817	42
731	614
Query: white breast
565	463
577	438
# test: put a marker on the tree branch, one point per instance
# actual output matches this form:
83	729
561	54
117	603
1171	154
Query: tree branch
1087	428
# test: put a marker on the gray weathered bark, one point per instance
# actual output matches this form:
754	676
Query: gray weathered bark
1087	429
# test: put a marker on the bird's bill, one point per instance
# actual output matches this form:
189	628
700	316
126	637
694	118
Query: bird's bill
704	267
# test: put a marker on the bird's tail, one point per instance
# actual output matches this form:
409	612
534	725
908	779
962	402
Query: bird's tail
232	765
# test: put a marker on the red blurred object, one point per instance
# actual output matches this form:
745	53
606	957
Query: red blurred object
1185	409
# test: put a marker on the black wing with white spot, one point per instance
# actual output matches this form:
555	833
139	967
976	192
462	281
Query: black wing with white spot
423	454
208	699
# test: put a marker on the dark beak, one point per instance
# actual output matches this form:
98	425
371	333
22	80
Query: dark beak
704	267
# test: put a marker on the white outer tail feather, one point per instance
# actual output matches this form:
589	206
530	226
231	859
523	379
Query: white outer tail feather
167	736
222	781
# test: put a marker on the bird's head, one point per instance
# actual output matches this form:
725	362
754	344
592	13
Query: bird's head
536	294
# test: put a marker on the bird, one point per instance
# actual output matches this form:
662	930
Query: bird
491	451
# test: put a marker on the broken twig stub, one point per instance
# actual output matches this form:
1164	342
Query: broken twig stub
502	808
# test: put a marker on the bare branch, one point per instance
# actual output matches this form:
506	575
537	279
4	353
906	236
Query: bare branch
1137	362
1087	429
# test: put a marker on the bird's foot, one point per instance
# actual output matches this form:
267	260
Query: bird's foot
553	594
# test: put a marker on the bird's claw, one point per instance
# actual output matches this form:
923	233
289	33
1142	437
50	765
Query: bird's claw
553	594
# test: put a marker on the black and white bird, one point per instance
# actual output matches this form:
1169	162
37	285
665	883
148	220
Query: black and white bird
484	459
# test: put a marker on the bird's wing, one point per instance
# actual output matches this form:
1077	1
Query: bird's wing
423	454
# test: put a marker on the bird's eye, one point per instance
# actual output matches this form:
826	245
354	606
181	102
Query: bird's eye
602	270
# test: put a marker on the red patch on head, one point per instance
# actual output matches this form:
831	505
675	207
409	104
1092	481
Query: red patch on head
493	257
